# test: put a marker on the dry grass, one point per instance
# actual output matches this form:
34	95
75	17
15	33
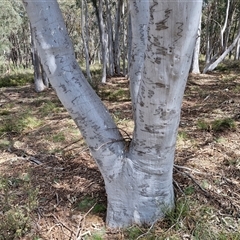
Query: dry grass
45	165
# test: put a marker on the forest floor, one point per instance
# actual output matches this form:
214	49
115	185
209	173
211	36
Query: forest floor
51	188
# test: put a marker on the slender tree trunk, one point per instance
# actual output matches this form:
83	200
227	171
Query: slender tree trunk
224	45
110	40
129	43
138	180
237	52
138	44
103	37
215	63
117	37
195	61
39	85
85	36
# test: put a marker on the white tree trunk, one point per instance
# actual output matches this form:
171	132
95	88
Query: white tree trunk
195	61
110	40
85	36
103	39
236	56
117	37
39	85
212	65
139	179
138	44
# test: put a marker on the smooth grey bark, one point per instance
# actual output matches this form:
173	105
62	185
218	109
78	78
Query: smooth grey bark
139	25
138	179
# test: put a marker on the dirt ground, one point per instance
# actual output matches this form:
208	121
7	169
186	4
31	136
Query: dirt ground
71	200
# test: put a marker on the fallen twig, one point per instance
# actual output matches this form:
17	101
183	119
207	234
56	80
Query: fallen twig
79	233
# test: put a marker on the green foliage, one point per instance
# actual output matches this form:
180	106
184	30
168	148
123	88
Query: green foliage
218	125
58	137
19	123
15	217
223	124
17	79
189	190
202	125
9	22
175	217
87	203
48	107
133	232
117	95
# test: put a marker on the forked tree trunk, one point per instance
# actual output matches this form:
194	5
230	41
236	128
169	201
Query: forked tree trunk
138	179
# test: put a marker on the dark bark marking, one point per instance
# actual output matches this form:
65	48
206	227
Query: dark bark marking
135	6
142	38
158	111
64	88
160	85
143	91
180	30
151	129
158	60
162	24
150	93
141	116
60	58
152	9
162	51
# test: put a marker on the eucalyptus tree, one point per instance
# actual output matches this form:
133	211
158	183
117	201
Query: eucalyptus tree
196	53
85	36
221	30
137	174
98	5
10	23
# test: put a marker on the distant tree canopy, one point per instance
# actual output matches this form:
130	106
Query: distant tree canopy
100	38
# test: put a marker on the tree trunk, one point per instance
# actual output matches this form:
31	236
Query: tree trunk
236	56
195	61
138	179
117	37
215	63
103	37
85	37
110	40
39	85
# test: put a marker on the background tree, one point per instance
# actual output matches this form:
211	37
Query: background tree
220	31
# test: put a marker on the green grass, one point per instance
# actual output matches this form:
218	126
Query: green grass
87	203
48	107
223	124
15	217
217	125
19	123
59	137
18	78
